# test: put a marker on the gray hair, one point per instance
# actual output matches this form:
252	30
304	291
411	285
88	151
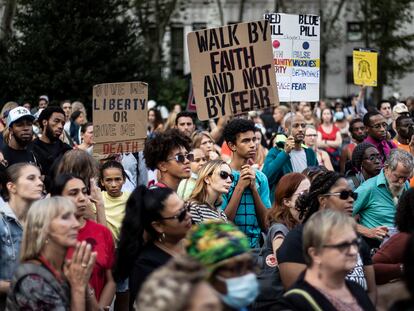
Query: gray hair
400	156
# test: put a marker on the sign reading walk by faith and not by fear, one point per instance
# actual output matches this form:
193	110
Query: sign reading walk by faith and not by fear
232	69
119	117
296	45
365	64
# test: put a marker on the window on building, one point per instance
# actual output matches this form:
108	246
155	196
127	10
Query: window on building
354	31
177	49
349	70
199	26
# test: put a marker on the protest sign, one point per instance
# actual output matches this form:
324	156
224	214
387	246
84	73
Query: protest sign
232	69
365	64
119	117
296	45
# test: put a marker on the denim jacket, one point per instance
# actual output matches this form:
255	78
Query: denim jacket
11	232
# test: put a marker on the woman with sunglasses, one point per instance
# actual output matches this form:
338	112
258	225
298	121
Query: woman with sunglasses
214	179
329	190
331	246
21	186
283	216
187	185
155	224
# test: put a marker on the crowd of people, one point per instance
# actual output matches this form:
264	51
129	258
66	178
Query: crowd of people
306	206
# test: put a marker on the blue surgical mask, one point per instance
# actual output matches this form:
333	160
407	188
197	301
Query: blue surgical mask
241	291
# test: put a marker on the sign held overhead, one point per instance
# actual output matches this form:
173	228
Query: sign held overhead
119	117
232	69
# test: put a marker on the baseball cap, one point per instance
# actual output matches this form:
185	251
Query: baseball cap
44	97
17	114
399	109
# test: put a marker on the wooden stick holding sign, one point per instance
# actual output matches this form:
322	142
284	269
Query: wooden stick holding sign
232	69
119	117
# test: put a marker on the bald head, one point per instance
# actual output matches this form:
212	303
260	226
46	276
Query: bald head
295	126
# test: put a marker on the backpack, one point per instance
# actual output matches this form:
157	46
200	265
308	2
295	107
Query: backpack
270	284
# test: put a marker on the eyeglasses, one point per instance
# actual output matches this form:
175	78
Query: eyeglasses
198	160
345	246
379	125
344	194
181	215
180	158
373	157
311	135
224	175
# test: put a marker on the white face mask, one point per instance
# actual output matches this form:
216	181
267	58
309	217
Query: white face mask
241	291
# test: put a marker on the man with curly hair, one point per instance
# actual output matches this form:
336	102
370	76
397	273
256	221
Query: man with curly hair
248	198
168	152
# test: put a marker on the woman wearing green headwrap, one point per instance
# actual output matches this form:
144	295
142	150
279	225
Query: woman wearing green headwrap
224	250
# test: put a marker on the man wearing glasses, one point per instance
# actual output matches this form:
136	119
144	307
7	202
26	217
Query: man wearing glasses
168	153
377	130
292	158
378	197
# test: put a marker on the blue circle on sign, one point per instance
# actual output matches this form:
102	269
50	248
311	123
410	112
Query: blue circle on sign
305	45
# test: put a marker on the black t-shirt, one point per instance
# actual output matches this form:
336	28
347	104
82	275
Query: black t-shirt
14	156
49	154
150	259
298	302
291	250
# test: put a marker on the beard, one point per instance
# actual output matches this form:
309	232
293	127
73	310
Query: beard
49	134
22	142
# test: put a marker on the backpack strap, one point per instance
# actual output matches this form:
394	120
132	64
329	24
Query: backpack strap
306	295
34	269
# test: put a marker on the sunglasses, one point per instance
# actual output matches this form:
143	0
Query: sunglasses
180	158
224	175
345	194
345	246
181	215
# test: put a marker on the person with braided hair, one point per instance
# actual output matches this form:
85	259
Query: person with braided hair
329	190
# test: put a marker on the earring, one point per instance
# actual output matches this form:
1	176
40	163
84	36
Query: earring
161	238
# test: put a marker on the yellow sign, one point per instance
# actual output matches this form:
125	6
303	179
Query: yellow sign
365	68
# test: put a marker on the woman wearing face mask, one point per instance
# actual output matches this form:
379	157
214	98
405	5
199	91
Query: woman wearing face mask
152	232
330	244
214	179
225	251
98	236
22	186
43	280
187	185
283	216
329	190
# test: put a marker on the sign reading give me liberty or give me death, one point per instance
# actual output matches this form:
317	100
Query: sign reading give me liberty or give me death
119	117
232	69
296	54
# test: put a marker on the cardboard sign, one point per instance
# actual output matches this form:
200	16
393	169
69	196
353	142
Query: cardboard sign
119	117
232	70
365	64
296	53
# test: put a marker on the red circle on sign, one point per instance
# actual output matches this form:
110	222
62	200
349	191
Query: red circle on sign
276	44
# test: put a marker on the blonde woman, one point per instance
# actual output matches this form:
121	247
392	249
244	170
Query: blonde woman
186	186
331	245
44	280
205	142
214	179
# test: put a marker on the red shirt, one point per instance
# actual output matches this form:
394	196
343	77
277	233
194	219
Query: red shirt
329	136
102	242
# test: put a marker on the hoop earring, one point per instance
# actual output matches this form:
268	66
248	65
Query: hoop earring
161	238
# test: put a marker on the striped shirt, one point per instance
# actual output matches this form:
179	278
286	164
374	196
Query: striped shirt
202	211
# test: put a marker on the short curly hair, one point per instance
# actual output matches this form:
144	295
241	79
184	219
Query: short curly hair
235	127
158	148
171	287
404	217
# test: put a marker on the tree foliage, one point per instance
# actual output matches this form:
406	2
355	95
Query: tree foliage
63	48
